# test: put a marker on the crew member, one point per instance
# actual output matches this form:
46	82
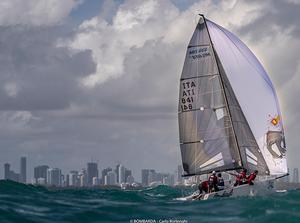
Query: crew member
221	183
252	177
241	178
213	182
203	187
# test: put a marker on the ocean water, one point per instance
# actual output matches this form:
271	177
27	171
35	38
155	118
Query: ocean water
26	203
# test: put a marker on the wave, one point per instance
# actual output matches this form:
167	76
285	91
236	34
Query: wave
28	203
8	187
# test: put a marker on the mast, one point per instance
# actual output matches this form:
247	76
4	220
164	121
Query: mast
223	88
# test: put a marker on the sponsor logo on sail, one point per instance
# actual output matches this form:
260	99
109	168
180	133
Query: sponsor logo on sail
275	120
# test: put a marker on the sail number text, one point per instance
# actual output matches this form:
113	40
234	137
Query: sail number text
199	52
188	94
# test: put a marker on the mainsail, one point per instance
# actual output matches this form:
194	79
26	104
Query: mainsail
224	123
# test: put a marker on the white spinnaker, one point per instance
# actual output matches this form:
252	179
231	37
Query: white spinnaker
253	89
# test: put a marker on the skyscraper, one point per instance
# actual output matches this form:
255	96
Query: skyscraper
73	178
145	176
23	170
54	177
152	177
96	181
62	180
179	174
296	175
67	180
14	176
41	181
10	174
82	175
130	179
104	173
110	178
92	171
40	172
121	174
168	179
6	171
117	172
127	174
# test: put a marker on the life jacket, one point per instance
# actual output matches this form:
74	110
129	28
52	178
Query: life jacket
251	177
204	185
242	177
212	180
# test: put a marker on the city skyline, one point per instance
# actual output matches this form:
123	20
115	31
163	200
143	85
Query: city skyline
122	173
92	175
136	173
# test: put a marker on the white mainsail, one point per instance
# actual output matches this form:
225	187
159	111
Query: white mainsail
228	112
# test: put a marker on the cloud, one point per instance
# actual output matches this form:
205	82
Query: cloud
232	13
35	12
11	89
35	74
134	24
137	22
19	118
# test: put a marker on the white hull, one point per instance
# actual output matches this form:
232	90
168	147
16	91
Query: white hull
260	188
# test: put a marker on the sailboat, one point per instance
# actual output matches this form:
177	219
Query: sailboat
228	112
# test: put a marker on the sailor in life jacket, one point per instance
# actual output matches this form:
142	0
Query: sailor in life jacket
213	182
203	187
221	183
252	177
241	178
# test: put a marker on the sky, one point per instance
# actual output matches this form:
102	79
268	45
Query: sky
84	80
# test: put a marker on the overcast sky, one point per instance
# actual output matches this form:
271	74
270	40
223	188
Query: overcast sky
90	79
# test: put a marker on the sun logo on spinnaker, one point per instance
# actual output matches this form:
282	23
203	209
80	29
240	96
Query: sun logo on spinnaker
275	120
